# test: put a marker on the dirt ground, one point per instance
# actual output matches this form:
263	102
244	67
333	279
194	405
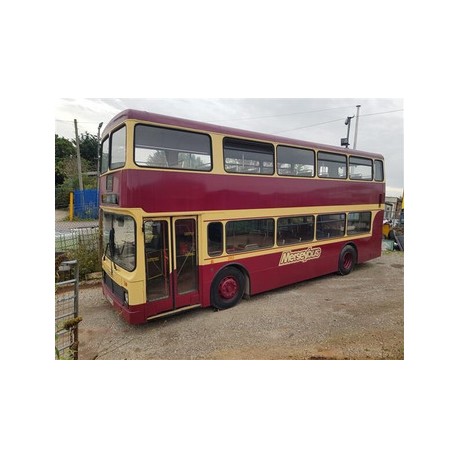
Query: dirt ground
359	316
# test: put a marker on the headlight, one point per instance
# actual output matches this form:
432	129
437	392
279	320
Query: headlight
126	298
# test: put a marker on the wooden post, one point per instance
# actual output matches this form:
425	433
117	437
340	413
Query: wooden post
78	156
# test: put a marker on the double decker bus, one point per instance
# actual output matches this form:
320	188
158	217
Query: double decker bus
198	215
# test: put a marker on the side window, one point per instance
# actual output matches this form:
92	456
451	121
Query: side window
378	170
332	165
329	226
244	156
215	239
172	149
295	161
248	235
104	156
359	222
360	168
118	148
296	229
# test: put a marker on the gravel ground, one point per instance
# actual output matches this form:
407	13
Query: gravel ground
359	316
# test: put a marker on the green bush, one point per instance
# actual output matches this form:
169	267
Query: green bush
62	197
88	260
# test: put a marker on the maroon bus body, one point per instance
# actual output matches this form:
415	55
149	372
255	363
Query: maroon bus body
155	191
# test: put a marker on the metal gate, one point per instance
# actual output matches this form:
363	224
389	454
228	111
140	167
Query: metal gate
67	319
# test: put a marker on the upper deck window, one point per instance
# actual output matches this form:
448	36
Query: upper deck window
360	168
104	156
295	161
378	167
332	165
245	156
118	148
172	149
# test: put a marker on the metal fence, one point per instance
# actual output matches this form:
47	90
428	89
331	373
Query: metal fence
76	238
66	310
86	204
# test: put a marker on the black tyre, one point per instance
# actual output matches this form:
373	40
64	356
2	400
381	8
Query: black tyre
347	260
227	288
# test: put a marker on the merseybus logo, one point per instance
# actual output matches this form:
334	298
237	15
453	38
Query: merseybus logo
288	257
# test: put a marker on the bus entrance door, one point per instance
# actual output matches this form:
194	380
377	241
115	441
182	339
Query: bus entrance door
185	270
159	295
171	264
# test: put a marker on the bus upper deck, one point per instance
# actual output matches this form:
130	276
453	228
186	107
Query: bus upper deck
234	169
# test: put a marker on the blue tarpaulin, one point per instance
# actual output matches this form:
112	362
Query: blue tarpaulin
86	204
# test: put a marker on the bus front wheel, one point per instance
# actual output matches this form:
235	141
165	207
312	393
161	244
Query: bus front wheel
347	260
227	288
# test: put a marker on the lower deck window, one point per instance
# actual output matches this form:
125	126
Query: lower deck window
296	229
359	222
330	226
247	235
215	239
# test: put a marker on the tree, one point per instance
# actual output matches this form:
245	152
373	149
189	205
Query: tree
89	150
64	149
66	171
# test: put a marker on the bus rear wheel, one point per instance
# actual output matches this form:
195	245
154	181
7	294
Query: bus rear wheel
227	288
347	260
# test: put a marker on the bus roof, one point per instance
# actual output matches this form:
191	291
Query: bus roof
190	124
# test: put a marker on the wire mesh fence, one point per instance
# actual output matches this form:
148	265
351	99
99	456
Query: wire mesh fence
76	239
66	310
86	204
81	244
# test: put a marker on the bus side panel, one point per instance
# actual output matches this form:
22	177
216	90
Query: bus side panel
235	192
267	272
371	247
206	275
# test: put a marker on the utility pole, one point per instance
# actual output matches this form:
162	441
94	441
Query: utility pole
78	156
345	141
356	126
98	154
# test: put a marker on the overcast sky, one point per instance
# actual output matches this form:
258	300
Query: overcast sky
381	127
